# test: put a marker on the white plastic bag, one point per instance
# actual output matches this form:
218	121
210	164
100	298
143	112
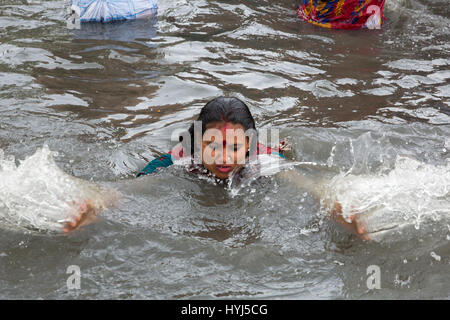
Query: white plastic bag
111	10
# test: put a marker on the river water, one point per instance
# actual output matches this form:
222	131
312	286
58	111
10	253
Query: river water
368	111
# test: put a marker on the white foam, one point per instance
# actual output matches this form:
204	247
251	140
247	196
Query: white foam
38	195
410	194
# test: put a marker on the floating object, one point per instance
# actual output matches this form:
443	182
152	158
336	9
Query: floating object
140	30
343	14
111	10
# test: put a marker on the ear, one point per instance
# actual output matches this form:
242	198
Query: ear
248	141
251	138
252	147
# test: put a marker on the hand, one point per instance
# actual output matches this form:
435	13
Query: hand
84	213
356	224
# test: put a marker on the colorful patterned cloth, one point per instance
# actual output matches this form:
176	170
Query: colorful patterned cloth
343	14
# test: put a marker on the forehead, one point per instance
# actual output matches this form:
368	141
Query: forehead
237	130
220	125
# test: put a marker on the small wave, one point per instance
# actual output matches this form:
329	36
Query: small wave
37	195
397	4
264	165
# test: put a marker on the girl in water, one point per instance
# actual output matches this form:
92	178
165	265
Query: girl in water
225	136
219	119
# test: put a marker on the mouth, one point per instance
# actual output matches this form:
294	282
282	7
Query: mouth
224	168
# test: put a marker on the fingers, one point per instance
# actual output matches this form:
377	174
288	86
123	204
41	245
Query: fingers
360	227
84	214
354	223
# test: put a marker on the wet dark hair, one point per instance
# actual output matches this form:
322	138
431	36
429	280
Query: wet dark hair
227	109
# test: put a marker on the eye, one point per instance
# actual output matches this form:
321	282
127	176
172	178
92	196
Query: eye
237	147
214	146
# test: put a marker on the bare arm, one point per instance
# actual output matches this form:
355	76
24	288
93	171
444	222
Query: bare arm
333	208
87	211
295	177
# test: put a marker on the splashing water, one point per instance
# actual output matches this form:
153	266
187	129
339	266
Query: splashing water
37	195
412	193
263	166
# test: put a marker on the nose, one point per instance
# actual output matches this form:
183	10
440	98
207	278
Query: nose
224	156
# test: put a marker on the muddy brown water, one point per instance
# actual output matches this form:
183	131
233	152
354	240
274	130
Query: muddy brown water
108	97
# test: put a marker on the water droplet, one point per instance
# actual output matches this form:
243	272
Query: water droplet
435	256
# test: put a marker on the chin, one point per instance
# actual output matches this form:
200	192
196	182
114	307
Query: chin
221	176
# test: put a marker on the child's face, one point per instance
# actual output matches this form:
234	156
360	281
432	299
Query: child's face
224	148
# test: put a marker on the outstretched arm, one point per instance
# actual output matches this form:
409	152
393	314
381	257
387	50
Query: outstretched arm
296	178
334	209
86	211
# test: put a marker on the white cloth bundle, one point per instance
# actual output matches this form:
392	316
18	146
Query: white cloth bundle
112	10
